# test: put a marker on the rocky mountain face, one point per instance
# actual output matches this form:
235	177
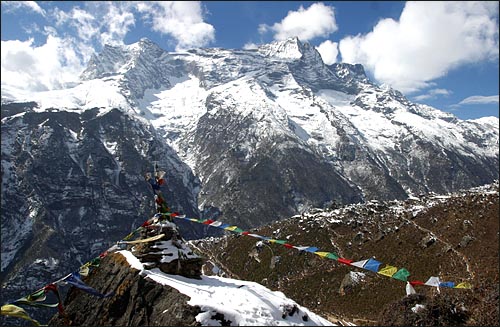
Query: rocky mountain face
245	136
273	131
453	237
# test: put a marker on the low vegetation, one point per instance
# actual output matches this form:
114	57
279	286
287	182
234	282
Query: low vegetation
451	237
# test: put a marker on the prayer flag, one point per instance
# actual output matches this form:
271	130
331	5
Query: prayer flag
359	264
416	282
388	271
75	280
344	261
464	285
372	265
35	299
311	249
433	281
402	274
15	311
409	289
447	284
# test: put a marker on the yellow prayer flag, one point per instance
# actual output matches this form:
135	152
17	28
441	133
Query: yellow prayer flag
15	311
84	270
388	270
464	285
323	254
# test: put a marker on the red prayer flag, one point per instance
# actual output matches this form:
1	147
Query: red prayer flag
345	261
53	288
288	245
416	282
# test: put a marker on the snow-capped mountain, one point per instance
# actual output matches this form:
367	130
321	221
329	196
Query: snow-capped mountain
272	131
249	136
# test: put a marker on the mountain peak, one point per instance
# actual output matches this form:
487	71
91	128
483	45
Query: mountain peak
114	60
291	48
145	43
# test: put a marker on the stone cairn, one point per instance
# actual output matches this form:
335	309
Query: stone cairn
170	254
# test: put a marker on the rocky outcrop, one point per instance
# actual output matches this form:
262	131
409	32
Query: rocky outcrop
137	301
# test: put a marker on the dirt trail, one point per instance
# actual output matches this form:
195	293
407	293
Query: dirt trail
460	254
213	258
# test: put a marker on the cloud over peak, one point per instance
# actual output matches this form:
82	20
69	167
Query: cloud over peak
428	40
73	35
181	20
316	21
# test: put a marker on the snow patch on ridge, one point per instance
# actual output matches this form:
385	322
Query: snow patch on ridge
243	303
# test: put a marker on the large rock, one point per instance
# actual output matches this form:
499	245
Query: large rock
137	301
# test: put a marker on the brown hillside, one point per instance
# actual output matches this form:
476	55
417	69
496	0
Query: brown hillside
453	237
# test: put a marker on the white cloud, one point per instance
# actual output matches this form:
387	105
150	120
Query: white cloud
69	45
50	66
104	22
84	23
118	21
434	93
479	99
77	32
181	20
15	5
250	46
316	21
430	39
328	51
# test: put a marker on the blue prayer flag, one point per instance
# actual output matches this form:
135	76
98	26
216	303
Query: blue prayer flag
74	279
447	284
372	265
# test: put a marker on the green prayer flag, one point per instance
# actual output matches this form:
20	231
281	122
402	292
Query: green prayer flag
332	256
95	262
401	274
36	296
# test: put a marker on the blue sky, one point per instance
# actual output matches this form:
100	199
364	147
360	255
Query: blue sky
444	54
